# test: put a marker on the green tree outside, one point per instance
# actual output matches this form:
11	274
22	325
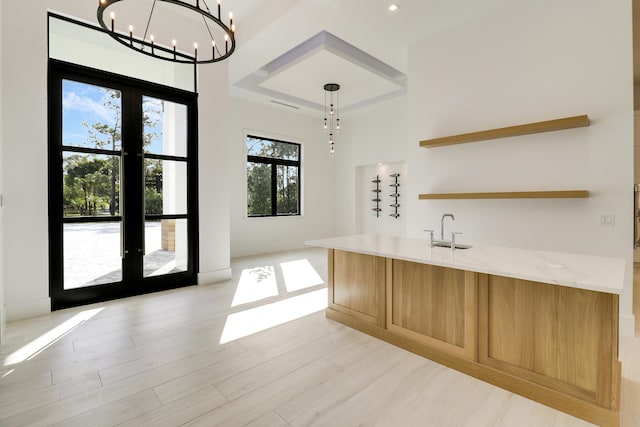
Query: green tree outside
259	176
92	181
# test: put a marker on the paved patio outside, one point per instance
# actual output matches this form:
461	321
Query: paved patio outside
92	254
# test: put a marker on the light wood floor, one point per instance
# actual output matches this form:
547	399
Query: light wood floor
157	360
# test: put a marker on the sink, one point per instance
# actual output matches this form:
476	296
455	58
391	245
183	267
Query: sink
446	244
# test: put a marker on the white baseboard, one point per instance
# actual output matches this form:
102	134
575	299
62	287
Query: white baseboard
214	276
27	309
627	325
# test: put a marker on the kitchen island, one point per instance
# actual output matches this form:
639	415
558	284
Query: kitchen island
541	324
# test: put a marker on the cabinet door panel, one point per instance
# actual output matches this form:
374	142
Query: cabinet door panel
358	286
429	300
558	336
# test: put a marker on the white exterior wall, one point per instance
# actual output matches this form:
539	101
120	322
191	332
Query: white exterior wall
25	158
250	236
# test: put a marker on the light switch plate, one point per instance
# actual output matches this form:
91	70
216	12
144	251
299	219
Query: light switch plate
607	220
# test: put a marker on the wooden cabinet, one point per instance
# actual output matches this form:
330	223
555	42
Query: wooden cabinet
357	286
559	337
433	305
554	344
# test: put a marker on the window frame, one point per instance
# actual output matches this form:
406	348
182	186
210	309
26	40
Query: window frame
273	163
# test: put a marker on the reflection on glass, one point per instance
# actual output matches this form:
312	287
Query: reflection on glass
91	116
91	254
165	127
165	187
287	190
165	247
91	184
258	189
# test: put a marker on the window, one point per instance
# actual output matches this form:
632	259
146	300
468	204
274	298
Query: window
273	177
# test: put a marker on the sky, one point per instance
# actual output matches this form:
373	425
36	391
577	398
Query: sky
84	102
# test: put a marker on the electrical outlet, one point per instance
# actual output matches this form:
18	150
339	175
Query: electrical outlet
607	220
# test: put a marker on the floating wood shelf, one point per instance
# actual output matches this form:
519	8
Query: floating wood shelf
564	194
547	126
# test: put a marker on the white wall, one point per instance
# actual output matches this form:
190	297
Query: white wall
369	221
251	236
525	62
214	188
2	307
25	154
25	158
369	136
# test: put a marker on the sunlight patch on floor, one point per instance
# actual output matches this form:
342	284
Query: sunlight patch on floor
6	374
251	321
32	349
255	284
300	274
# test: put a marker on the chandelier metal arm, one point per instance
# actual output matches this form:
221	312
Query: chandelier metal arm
139	45
146	30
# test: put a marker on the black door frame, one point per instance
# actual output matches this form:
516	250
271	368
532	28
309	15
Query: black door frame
133	200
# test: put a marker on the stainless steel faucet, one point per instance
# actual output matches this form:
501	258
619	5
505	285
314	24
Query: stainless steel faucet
442	224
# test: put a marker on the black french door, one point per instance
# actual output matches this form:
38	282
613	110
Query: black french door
122	186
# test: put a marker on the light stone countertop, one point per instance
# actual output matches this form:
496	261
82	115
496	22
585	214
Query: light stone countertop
595	273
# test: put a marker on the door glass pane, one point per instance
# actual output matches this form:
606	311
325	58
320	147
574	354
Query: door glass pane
258	189
91	116
165	187
91	254
165	127
287	190
166	246
91	184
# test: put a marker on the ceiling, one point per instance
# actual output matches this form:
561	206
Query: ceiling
288	49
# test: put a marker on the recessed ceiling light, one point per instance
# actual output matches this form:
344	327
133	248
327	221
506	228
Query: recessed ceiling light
394	7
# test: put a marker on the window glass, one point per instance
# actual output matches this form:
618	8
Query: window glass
272	149
165	127
80	45
273	177
287	190
91	116
258	189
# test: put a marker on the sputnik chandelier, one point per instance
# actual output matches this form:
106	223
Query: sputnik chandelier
221	47
332	123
